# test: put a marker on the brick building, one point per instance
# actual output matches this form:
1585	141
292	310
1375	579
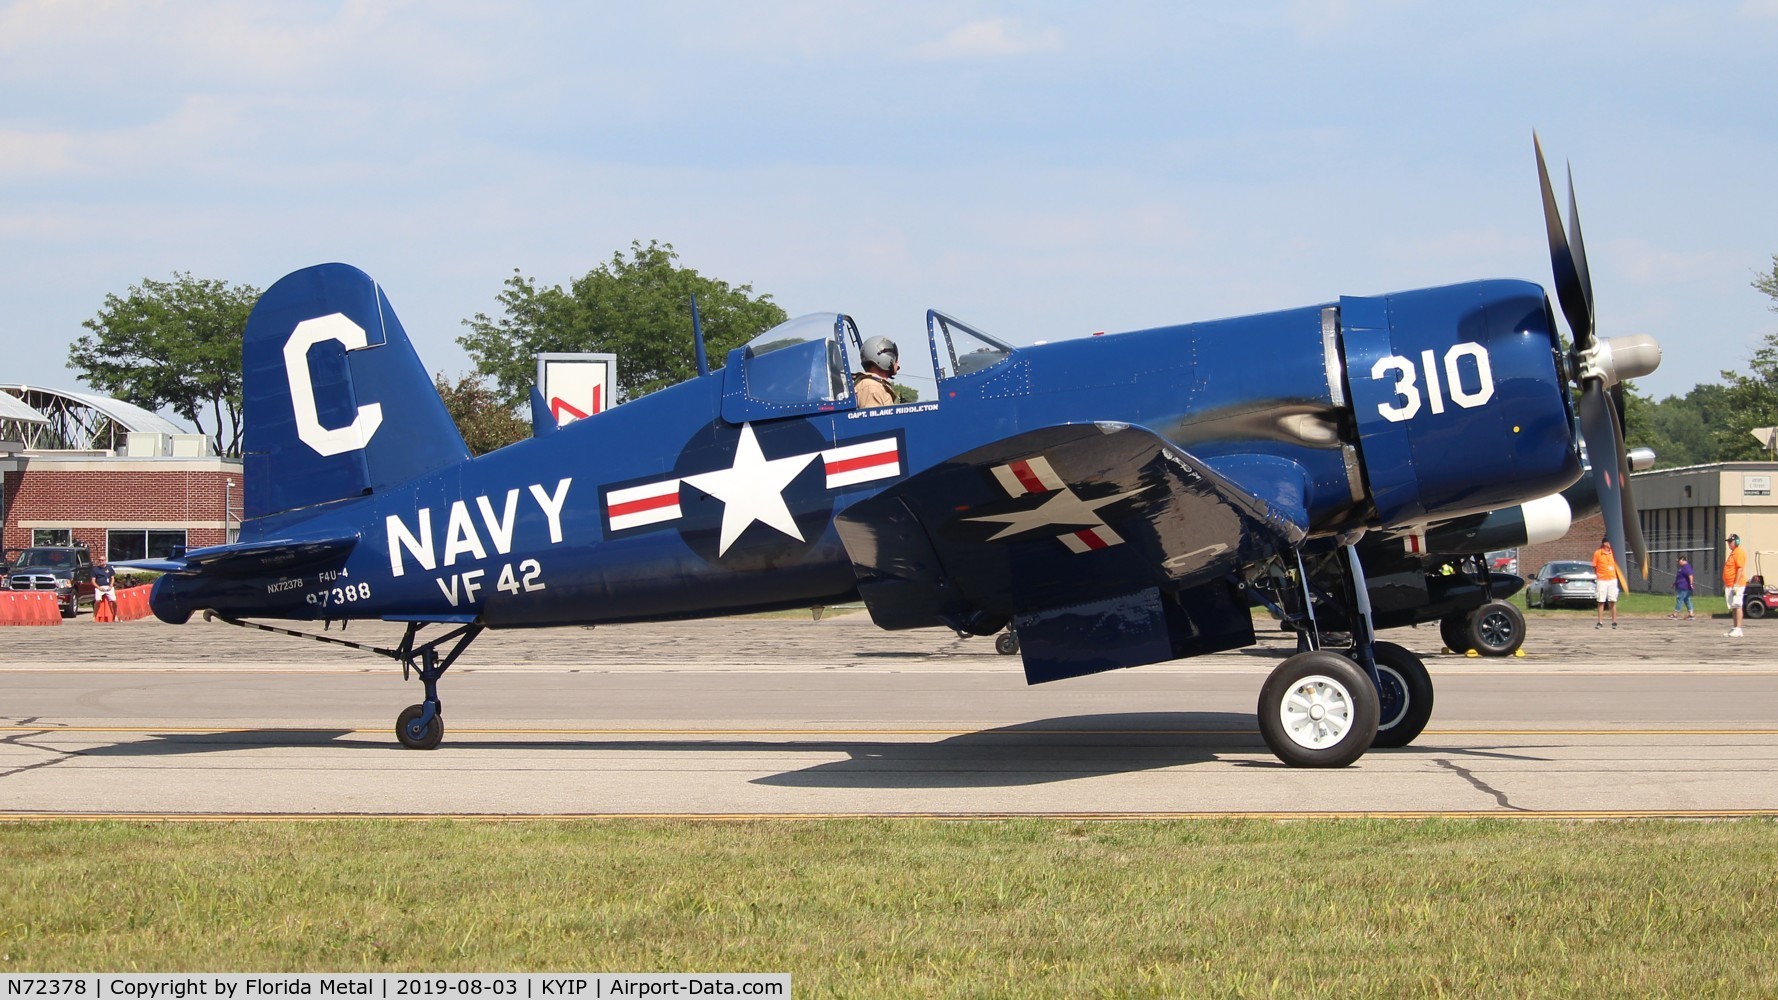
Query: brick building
86	469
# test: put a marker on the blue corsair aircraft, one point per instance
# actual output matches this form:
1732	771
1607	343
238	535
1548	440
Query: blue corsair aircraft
1119	500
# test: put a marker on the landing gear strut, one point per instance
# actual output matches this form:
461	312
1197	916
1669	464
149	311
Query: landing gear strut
418	727
421	727
1322	708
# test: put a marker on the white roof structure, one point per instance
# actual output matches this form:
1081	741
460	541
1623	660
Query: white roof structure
47	419
13	408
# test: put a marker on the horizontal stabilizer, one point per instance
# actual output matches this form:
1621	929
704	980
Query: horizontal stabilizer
271	556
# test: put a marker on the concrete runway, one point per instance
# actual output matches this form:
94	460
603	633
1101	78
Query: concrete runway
790	717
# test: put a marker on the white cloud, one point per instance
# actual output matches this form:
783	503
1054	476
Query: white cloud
991	38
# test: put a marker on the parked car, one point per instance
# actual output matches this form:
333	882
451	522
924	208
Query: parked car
65	569
1562	583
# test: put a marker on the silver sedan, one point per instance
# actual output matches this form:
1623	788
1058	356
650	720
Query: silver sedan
1562	582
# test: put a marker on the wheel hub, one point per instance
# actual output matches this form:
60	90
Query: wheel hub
1317	713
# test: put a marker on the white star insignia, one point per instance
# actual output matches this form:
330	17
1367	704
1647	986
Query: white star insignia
752	489
1063	509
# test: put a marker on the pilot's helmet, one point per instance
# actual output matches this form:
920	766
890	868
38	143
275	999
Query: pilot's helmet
882	352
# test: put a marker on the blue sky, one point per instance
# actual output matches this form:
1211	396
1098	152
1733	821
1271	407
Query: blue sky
1043	170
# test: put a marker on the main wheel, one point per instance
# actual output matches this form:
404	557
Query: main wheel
1496	629
1317	709
1454	630
421	741
1006	643
1404	698
1755	608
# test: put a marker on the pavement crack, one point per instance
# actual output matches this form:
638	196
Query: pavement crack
18	739
1467	775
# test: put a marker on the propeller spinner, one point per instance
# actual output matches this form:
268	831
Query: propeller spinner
1601	365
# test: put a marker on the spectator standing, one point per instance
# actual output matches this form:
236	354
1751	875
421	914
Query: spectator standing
1682	590
104	589
1734	581
1605	576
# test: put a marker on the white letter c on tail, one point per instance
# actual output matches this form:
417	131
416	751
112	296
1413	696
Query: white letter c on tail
325	440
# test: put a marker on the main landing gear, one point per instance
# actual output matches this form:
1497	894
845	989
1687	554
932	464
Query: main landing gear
1322	708
418	727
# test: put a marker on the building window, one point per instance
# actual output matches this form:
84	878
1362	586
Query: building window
139	543
52	536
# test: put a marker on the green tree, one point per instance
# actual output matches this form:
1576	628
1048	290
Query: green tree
1753	394
484	421
636	307
1682	430
173	344
1768	283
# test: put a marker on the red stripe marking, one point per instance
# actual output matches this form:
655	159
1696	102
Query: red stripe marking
862	462
1091	538
646	503
1028	479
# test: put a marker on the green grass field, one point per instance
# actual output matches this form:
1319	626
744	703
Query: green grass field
925	908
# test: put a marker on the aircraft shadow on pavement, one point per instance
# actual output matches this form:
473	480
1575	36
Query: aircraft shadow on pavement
1032	753
1038	752
175	744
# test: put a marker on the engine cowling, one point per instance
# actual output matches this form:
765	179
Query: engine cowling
1432	372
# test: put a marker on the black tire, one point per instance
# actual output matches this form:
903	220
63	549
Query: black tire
1454	630
1006	643
433	735
1317	709
1755	608
1405	698
1496	629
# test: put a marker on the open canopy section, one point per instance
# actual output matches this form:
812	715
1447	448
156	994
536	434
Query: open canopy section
960	349
805	365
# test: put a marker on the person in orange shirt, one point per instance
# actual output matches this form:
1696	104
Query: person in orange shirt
1734	581
1605	582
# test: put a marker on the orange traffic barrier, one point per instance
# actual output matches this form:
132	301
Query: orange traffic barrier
104	609
29	607
132	603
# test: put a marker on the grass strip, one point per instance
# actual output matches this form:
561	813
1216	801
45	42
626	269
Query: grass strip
928	908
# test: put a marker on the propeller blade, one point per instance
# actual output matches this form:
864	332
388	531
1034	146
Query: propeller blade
1574	295
1632	522
1578	247
1598	425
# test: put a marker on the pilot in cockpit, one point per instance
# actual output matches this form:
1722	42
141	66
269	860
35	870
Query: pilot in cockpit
882	360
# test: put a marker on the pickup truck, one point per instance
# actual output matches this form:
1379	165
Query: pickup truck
65	569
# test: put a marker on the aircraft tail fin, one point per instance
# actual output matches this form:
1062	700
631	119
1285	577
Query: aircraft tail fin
335	402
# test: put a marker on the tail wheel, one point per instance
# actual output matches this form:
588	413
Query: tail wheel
413	739
1006	643
1404	698
1317	709
1496	629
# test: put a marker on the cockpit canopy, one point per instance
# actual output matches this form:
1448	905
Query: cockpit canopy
805	365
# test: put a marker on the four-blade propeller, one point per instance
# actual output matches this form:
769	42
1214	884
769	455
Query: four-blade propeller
1600	366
